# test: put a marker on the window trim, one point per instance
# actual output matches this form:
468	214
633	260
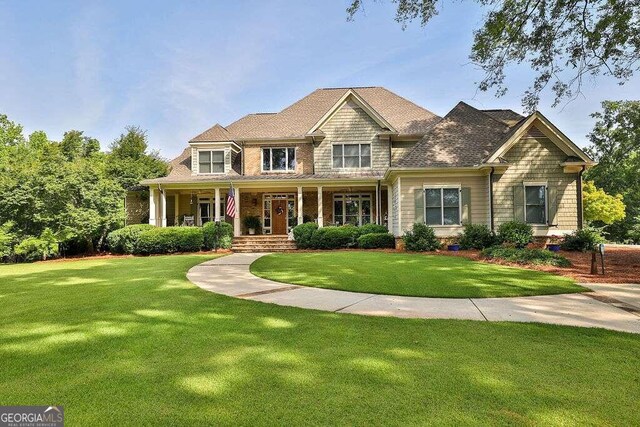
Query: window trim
441	188
359	144
211	201
286	157
224	163
360	196
544	184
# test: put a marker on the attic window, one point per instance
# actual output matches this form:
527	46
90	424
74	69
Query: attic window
346	156
211	161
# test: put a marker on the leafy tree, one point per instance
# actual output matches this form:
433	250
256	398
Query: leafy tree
10	132
601	207
129	160
615	144
38	140
562	41
75	145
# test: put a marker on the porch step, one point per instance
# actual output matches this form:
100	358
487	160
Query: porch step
262	243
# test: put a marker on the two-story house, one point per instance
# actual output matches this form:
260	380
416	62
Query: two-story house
364	154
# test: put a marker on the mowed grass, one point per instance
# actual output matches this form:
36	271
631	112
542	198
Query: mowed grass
131	342
409	274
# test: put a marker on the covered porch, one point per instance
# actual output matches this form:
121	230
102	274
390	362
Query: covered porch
279	208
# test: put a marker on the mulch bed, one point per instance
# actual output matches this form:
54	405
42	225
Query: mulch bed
622	265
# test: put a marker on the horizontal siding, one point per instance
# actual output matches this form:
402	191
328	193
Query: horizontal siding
351	124
478	185
537	159
400	148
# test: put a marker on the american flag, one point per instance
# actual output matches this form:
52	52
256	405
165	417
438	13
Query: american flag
231	203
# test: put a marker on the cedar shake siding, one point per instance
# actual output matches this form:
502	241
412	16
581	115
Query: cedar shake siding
535	158
351	124
413	187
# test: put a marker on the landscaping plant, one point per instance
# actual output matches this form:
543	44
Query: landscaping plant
526	256
162	240
476	236
372	228
584	240
303	233
376	241
217	235
516	233
334	237
124	240
421	238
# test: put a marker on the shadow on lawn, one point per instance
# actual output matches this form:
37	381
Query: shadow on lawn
136	333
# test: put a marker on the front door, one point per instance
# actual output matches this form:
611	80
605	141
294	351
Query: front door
279	216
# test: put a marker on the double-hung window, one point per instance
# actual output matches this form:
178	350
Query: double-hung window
278	159
442	206
351	156
535	204
211	161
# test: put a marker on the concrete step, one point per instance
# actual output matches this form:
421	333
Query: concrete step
262	243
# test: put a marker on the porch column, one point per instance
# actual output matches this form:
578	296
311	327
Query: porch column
237	231
216	208
152	206
163	207
390	210
320	214
300	215
176	210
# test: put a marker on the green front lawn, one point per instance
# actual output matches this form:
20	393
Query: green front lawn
131	342
409	274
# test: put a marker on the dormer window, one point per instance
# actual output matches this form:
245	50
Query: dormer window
211	161
278	159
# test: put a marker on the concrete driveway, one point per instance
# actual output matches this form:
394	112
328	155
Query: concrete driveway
610	306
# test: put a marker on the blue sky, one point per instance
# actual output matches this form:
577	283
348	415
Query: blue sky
176	68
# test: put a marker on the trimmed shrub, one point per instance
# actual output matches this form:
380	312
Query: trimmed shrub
421	238
526	256
584	240
123	240
376	241
217	235
517	233
476	236
372	228
163	240
303	233
38	248
334	237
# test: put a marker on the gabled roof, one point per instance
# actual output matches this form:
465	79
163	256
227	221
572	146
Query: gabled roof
464	137
296	120
214	134
468	137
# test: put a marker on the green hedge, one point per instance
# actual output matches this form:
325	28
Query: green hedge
334	237
217	235
371	228
163	240
376	241
421	238
526	256
303	233
123	240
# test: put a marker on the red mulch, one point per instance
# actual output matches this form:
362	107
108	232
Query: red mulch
622	265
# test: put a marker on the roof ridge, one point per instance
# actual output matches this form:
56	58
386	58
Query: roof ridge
409	101
350	87
485	114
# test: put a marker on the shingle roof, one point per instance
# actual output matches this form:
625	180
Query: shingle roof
509	117
297	119
464	137
216	133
